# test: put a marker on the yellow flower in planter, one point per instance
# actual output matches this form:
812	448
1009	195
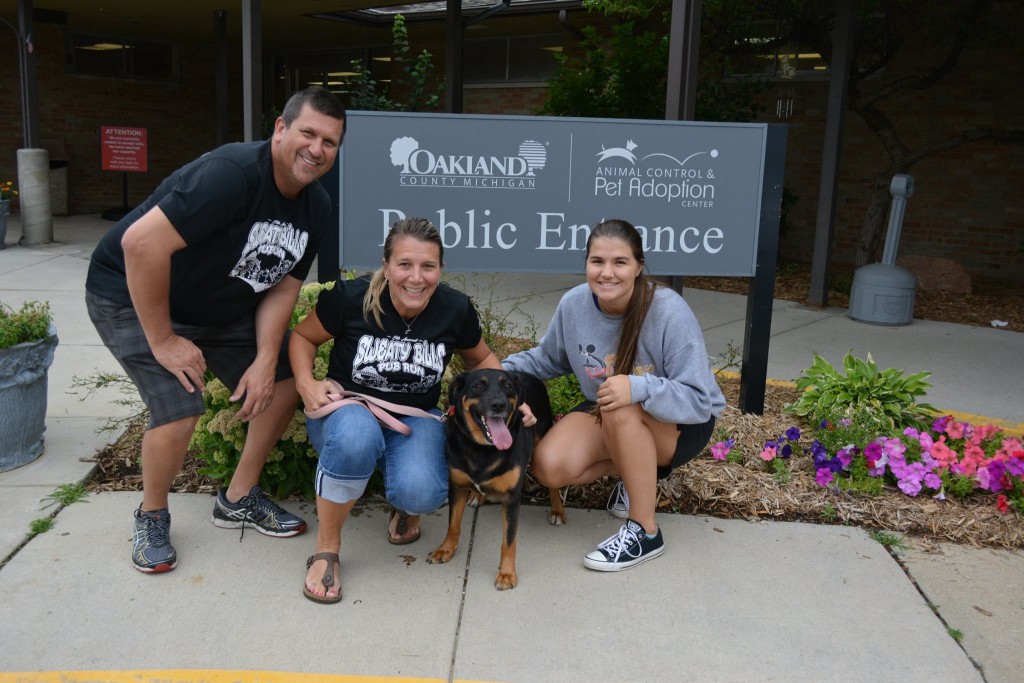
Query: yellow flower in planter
7	190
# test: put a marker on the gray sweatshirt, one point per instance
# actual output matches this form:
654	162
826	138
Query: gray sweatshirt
672	378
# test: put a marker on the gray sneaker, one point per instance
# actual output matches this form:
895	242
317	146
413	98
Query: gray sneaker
618	501
256	510
152	551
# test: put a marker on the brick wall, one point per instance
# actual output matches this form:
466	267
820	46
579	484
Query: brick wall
179	118
967	204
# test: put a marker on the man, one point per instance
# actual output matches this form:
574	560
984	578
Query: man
204	275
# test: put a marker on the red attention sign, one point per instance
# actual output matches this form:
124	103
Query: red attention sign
123	149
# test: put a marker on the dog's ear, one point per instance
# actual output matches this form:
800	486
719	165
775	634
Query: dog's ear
456	387
516	378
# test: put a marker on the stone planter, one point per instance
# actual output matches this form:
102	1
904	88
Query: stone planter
5	210
23	386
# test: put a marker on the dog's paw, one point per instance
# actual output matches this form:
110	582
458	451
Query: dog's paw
475	500
506	581
556	518
441	555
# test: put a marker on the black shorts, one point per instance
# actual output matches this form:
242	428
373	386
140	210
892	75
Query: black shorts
228	350
692	440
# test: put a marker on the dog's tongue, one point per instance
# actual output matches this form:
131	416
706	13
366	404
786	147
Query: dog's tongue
500	436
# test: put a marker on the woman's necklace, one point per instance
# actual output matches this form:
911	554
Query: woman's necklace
409	323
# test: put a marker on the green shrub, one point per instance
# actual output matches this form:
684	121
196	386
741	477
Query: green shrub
29	324
564	393
864	387
220	436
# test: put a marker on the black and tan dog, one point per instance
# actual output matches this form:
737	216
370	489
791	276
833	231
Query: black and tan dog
489	449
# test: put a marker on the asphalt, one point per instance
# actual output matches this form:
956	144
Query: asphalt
730	600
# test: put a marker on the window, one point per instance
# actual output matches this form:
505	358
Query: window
511	59
330	68
761	53
122	57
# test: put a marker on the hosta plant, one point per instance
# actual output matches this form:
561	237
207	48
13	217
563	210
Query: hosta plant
826	391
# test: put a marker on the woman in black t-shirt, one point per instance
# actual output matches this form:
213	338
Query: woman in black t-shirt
394	335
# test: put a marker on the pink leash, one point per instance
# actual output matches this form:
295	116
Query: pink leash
379	407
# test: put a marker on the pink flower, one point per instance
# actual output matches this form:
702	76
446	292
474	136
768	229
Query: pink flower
768	454
955	429
823	476
719	450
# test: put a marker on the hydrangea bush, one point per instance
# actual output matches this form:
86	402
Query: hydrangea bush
220	436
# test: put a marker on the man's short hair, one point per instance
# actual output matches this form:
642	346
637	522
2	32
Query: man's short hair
319	98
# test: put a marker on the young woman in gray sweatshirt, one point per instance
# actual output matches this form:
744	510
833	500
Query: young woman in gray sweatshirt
652	399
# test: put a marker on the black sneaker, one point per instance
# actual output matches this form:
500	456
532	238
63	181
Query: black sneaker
256	510
152	551
626	549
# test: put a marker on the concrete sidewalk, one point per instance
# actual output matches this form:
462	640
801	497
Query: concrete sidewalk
730	601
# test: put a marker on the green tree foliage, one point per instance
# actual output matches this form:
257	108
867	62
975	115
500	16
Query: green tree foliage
418	89
624	75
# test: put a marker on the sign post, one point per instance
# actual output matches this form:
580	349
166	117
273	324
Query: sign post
123	149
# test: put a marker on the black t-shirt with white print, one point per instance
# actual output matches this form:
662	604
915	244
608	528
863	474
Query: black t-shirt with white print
386	363
243	235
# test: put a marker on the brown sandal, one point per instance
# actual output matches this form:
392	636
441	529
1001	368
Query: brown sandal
327	580
401	528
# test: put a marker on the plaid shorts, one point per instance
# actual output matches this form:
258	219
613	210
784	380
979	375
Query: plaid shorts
228	349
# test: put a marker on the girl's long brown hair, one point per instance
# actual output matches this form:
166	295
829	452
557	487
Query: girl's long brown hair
639	302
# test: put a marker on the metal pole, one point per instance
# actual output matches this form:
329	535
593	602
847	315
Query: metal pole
683	53
21	77
220	32
453	58
252	62
828	186
29	101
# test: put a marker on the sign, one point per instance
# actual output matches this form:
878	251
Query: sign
123	149
517	193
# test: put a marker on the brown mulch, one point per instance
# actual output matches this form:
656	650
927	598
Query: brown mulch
710	487
990	299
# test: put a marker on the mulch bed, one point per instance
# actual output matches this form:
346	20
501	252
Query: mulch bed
990	298
709	487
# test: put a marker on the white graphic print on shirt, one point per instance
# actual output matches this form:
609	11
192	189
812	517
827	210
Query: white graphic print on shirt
271	252
397	364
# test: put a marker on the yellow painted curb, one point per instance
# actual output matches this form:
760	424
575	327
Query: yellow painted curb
197	676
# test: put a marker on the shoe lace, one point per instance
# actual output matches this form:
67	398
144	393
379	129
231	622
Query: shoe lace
626	542
618	496
158	530
258	506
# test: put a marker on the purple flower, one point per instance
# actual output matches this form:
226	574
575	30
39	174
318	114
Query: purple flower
1015	466
793	434
939	426
872	453
910	486
845	456
911	432
787	451
823	476
932	481
996	470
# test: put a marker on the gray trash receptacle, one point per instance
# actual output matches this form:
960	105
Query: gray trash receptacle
883	294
